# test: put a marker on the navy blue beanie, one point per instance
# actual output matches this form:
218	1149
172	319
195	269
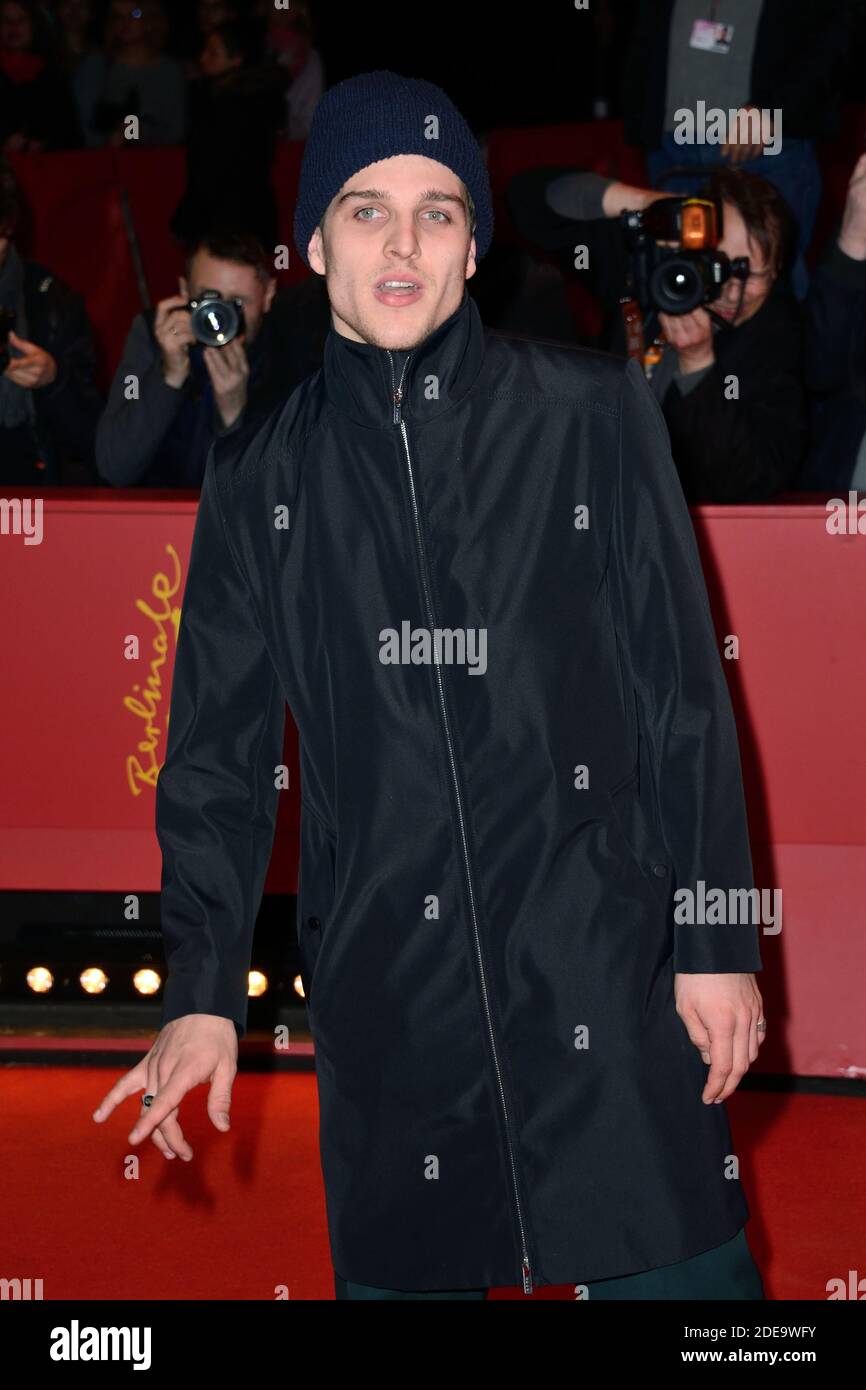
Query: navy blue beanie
377	115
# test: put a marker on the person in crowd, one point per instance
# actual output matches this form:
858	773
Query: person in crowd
291	43
49	402
731	385
237	109
84	60
786	56
37	107
199	25
211	13
836	350
189	395
142	80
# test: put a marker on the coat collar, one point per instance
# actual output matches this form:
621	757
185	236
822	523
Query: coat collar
358	376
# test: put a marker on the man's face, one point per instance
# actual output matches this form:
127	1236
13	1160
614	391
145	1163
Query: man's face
232	281
126	22
737	242
213	12
75	14
398	219
16	30
214	57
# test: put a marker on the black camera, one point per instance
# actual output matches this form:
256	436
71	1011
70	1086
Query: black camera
681	277
215	321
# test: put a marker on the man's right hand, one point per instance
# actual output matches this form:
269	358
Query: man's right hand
186	1052
174	335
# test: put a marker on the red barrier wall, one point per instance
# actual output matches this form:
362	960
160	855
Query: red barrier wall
80	745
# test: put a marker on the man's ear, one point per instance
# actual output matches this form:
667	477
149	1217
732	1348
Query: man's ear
184	286
315	252
471	265
270	291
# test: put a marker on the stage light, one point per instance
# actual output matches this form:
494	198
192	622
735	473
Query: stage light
299	986
257	983
146	981
40	979
93	980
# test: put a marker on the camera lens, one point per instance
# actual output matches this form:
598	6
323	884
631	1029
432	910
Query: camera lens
214	321
676	286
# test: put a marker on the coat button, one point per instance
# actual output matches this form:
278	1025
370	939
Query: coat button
313	923
660	870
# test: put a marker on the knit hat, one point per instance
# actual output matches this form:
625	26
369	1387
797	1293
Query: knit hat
377	115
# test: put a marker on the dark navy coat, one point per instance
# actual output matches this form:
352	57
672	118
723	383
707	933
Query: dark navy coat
488	857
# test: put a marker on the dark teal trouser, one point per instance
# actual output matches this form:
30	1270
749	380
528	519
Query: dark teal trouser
727	1272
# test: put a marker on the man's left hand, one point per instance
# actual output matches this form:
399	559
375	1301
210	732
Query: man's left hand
721	1014
692	337
35	367
229	371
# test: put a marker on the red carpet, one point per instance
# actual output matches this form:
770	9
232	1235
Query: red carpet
248	1214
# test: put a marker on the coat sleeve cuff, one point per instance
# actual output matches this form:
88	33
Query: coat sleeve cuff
221	995
700	949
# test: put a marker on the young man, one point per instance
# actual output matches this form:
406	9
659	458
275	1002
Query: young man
467	564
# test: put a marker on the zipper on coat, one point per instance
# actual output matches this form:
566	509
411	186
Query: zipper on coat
397	397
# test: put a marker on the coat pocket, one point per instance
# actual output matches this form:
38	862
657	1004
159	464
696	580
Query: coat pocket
641	839
316	891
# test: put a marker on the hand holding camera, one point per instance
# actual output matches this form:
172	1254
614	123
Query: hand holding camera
691	335
229	371
173	333
218	324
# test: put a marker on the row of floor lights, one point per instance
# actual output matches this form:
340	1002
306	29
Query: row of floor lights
93	980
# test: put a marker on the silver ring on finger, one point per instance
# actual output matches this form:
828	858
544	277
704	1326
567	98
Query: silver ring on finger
148	1099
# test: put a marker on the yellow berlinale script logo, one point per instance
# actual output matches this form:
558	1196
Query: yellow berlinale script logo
142	767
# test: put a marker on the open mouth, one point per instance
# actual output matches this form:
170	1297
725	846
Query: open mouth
396	290
398	286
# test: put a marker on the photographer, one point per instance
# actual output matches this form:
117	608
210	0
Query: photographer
836	350
730	381
171	396
49	402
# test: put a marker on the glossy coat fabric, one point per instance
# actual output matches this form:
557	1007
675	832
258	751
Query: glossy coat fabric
488	857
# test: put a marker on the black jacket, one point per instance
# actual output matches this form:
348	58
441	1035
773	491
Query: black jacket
488	856
836	367
726	450
802	54
66	412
